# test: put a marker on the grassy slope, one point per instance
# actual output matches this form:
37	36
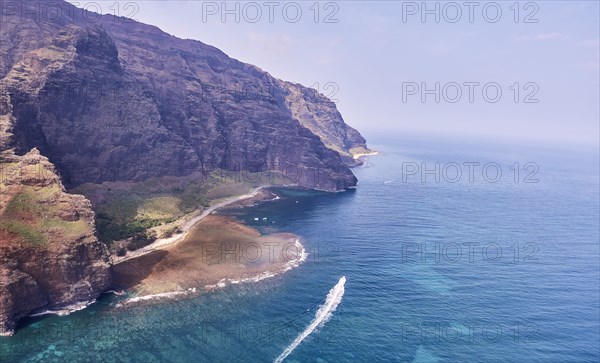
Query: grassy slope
126	209
28	215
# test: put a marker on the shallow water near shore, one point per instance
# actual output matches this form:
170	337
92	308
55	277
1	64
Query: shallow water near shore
441	271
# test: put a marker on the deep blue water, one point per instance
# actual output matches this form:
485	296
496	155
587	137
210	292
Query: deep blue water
476	271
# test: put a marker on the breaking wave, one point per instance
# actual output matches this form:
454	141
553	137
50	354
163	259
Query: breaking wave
293	263
65	310
168	295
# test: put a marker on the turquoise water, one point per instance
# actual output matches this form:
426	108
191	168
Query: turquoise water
425	278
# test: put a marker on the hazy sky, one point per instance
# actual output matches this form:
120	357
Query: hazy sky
375	58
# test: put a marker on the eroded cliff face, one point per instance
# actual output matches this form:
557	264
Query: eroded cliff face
320	115
49	255
119	100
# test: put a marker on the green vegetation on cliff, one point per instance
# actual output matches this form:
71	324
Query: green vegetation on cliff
31	212
128	210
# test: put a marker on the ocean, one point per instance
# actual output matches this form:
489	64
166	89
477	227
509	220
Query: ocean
446	252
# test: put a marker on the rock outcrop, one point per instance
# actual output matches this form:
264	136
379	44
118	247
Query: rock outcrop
320	115
49	256
118	100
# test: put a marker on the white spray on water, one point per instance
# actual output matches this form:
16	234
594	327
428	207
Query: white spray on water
334	298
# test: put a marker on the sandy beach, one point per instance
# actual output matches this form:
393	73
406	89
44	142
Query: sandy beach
189	222
214	251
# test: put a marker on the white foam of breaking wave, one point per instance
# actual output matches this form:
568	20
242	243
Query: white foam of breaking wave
163	295
276	197
66	310
334	298
118	293
293	263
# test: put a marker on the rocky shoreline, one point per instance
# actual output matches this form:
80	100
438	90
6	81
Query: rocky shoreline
212	252
50	257
156	271
220	251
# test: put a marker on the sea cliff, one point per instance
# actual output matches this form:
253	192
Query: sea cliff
117	101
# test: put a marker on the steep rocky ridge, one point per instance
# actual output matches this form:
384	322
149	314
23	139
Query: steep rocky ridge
120	100
320	115
49	255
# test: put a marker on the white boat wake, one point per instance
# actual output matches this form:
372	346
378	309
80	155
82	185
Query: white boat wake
334	298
